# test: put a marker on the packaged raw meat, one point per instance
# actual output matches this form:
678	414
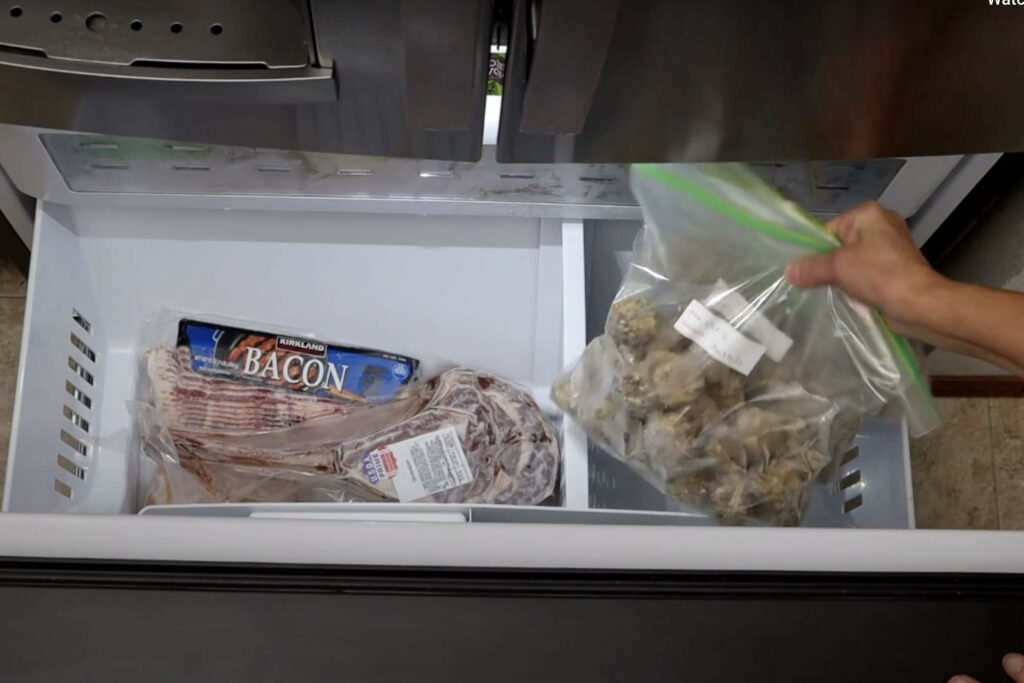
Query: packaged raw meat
722	384
191	400
221	377
216	435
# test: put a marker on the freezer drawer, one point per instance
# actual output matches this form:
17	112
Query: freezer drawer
484	293
501	294
510	287
261	592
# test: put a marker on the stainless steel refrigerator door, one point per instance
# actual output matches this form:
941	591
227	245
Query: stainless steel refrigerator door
394	77
660	80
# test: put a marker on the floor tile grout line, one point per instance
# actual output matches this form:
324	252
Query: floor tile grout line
992	453
12	296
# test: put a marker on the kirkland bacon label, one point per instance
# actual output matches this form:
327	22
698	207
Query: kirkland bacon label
296	364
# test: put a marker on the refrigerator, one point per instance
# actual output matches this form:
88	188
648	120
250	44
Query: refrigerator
343	182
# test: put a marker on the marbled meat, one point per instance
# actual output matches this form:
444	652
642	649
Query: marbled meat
511	447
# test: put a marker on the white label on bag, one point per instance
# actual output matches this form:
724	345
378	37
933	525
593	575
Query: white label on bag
732	305
720	339
420	466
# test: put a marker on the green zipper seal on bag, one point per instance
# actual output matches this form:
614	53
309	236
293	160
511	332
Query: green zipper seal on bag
721	205
738	214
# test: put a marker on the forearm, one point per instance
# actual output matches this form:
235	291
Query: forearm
980	321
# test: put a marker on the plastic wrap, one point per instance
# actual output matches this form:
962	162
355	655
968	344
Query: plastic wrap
721	383
213	432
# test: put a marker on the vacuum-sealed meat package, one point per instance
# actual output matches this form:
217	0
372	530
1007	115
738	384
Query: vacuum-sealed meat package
236	415
722	384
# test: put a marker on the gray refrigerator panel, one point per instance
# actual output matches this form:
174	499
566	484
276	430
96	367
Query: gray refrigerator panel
659	80
395	78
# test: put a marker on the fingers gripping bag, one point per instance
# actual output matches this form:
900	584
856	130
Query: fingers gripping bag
722	384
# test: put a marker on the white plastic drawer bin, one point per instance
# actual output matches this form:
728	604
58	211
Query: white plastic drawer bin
501	294
485	293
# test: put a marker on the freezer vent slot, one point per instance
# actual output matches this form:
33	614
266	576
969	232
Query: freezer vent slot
850	484
70	467
851	479
80	319
853	503
80	371
75	446
78	394
101	146
76	419
73	443
83	347
62	488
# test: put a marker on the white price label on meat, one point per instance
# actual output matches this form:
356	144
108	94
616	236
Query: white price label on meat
720	339
737	309
421	466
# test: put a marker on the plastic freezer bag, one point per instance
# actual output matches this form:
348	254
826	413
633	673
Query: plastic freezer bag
467	437
721	383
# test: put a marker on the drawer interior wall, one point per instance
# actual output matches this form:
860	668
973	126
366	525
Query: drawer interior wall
483	293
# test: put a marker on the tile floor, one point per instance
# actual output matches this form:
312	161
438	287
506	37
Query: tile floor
968	474
12	310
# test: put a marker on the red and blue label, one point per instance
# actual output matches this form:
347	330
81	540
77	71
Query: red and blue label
296	363
380	464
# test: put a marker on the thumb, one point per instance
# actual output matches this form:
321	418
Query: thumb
1013	663
813	271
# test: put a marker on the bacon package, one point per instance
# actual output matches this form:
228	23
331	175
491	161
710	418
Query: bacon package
237	415
294	363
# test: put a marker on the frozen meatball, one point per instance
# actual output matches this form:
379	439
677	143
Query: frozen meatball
637	393
764	431
676	379
732	496
705	413
667	339
563	393
724	385
721	444
693	489
633	323
669	437
783	491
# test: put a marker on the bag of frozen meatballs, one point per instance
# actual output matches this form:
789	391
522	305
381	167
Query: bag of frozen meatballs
722	384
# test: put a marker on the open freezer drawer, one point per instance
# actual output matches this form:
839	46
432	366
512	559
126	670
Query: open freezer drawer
485	293
501	294
499	290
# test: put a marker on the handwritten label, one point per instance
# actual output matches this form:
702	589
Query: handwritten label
718	338
739	311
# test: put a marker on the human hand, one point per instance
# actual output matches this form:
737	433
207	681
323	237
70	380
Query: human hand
1013	665
878	264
